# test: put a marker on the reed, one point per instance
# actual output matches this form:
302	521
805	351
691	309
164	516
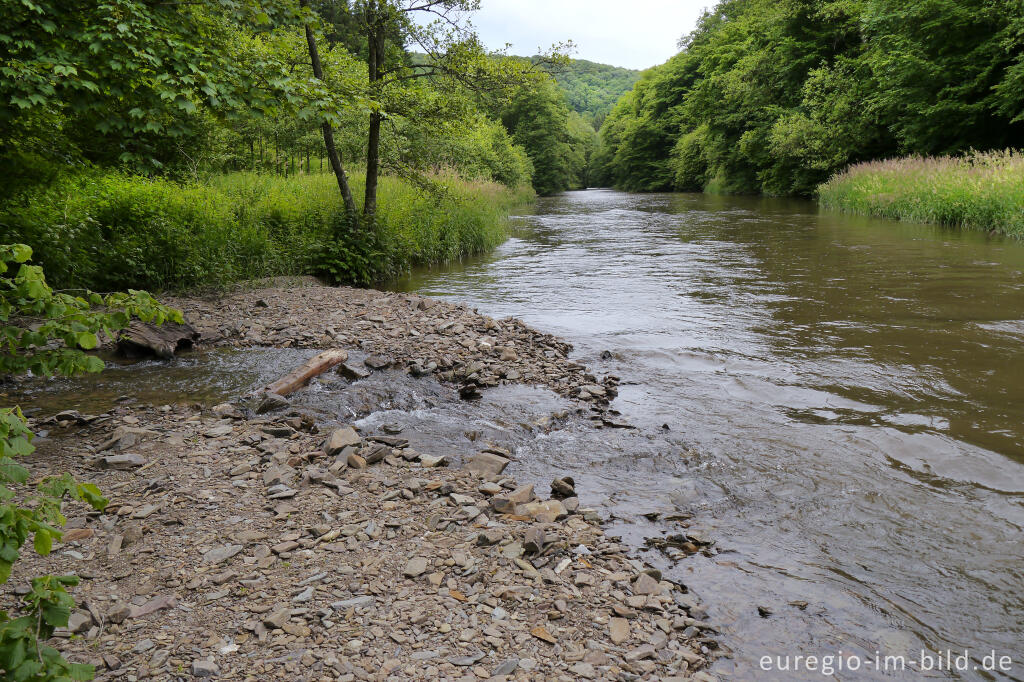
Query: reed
980	190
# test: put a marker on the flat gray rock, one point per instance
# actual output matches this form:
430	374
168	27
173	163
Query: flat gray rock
221	554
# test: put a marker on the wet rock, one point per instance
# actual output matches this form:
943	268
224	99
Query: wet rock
486	464
377	362
352	372
562	488
341	439
271	402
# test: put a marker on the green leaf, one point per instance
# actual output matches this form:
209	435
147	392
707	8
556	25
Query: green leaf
21	252
43	542
87	340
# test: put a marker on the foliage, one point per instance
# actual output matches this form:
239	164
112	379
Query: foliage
592	89
556	139
45	332
116	79
774	97
979	190
111	231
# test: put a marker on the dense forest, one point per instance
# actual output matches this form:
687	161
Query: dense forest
592	88
774	97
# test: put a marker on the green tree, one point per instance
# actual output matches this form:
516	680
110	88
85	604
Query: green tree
454	60
773	97
538	119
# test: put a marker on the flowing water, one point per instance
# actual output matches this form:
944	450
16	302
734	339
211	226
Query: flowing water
838	400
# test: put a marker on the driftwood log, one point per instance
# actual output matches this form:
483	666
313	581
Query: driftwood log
141	339
313	367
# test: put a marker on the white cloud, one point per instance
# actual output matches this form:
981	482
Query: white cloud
636	34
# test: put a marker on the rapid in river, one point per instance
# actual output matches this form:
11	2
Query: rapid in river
838	401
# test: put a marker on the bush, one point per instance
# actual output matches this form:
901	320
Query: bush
980	190
115	231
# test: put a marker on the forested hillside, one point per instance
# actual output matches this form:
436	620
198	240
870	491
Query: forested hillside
773	97
593	89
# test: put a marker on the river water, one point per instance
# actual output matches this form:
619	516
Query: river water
839	401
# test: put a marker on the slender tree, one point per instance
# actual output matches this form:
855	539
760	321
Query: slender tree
328	132
390	29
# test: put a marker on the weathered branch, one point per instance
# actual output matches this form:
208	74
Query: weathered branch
313	367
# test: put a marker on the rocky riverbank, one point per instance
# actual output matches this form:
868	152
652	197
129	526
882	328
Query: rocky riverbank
265	546
406	331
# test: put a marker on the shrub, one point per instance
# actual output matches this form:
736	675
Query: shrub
45	332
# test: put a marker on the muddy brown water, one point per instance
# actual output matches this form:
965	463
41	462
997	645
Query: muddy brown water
843	400
853	393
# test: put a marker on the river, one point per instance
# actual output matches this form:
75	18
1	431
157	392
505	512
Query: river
839	401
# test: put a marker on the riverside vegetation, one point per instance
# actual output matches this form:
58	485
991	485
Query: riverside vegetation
775	98
980	191
114	231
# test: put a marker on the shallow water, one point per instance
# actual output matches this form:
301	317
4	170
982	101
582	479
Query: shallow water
853	392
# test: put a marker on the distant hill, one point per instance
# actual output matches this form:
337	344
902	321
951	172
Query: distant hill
593	89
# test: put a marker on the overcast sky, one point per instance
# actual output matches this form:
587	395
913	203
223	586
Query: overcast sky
636	34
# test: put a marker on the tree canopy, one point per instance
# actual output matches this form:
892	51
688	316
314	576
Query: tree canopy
774	97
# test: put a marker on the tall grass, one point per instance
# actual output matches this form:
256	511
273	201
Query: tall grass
982	191
113	231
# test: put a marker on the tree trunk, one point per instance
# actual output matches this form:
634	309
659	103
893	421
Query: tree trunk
141	339
313	367
332	151
374	58
372	167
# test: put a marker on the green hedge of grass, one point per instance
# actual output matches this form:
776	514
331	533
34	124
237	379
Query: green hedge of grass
113	231
982	191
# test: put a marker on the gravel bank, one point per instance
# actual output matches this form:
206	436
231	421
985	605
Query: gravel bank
259	547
